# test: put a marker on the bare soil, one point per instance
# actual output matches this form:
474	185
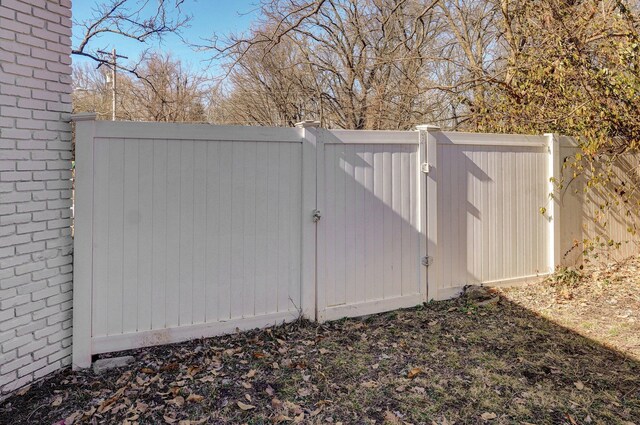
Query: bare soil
551	353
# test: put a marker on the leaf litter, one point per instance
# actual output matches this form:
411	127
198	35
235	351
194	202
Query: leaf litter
449	362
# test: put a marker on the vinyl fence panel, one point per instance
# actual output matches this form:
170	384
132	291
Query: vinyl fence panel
196	230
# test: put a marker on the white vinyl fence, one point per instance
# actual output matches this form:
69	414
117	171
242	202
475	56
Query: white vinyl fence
185	231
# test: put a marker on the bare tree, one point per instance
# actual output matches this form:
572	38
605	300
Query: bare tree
351	64
140	20
168	91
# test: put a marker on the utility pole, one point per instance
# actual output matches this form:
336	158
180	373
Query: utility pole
114	66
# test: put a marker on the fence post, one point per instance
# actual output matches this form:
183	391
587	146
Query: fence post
309	231
83	240
553	211
428	187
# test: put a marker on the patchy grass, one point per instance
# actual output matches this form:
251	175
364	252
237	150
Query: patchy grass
443	363
601	303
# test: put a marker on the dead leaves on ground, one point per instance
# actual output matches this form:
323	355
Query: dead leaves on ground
414	372
389	369
245	406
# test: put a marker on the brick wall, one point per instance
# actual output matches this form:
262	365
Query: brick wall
35	190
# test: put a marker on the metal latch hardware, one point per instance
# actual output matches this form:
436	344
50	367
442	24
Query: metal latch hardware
426	261
424	167
316	216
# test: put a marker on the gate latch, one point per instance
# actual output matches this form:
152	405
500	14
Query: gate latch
427	261
316	216
424	167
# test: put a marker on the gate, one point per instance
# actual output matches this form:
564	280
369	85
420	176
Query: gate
370	244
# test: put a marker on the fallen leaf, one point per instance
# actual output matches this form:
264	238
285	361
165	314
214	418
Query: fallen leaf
275	403
391	418
57	401
24	390
72	418
259	355
324	351
177	401
304	392
244	406
414	372
169	419
251	373
147	370
573	421
193	370
369	384
488	416
106	405
196	398
579	385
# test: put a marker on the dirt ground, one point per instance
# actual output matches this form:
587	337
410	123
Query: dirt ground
552	353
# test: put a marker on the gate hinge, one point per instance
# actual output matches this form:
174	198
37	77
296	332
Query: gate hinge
426	261
316	216
424	167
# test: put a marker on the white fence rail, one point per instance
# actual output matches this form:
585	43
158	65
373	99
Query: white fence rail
186	231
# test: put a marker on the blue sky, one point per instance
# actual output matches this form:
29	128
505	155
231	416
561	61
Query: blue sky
209	17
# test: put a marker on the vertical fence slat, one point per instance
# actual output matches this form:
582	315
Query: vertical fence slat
100	235
360	220
186	235
160	236
213	239
200	230
350	226
145	238
249	229
272	231
173	225
130	237
225	228
115	251
262	228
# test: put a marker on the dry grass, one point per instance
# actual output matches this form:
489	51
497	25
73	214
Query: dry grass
444	363
602	303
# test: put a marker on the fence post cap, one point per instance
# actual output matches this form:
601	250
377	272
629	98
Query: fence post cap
427	127
308	124
84	116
